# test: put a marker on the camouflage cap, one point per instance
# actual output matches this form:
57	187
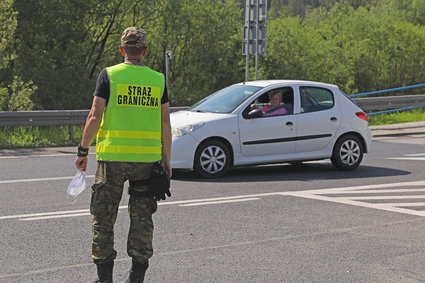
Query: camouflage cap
134	37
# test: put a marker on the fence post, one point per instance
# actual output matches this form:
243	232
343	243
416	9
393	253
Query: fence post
71	132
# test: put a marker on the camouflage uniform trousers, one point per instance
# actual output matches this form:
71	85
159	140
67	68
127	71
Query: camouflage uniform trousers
106	196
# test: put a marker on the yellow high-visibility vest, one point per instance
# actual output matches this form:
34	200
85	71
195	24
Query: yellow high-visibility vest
130	130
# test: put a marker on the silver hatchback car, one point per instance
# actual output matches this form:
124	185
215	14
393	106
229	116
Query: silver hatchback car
271	121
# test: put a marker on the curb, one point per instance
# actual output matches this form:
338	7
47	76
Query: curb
396	130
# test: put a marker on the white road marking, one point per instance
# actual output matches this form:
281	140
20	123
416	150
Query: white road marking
383	197
415	154
380	191
86	212
44	214
402	204
40	179
408	158
363	187
218	202
398	207
411	156
41	155
55	216
320	194
364	204
217	199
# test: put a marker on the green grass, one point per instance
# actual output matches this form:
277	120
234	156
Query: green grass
13	137
414	115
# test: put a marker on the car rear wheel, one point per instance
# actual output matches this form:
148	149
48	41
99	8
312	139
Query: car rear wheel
212	159
347	153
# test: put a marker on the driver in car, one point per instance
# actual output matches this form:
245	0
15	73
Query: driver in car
275	107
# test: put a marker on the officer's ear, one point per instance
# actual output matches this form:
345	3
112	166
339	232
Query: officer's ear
122	51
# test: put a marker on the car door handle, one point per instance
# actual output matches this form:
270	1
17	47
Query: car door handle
289	123
334	119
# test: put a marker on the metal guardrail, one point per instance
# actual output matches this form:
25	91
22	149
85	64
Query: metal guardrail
78	117
49	117
386	90
43	118
388	102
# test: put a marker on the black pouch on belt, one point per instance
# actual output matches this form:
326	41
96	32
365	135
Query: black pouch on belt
159	184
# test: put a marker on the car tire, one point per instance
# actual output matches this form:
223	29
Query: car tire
212	159
347	153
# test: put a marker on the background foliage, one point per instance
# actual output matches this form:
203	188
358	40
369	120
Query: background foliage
52	51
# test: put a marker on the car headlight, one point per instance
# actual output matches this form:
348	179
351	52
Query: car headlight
181	131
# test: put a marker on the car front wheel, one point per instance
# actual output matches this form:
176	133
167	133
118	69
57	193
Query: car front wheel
347	153
212	159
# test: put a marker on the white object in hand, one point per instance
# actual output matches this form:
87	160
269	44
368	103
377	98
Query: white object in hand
77	185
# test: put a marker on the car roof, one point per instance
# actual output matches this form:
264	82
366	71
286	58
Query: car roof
266	83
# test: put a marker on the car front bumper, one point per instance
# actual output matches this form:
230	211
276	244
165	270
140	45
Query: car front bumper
183	151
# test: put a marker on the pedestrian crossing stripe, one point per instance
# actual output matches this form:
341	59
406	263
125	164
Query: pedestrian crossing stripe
399	200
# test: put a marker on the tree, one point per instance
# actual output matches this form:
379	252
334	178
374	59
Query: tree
14	93
64	58
359	49
61	45
205	38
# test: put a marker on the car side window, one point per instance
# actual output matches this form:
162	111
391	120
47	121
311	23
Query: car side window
315	99
276	102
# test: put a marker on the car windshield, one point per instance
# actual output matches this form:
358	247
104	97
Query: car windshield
225	100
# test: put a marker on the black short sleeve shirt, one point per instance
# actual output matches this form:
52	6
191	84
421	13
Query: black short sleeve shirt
103	87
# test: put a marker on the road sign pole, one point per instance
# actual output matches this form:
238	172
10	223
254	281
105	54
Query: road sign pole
257	16
247	11
247	55
168	55
255	33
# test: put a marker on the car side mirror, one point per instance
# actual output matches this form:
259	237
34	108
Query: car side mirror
256	113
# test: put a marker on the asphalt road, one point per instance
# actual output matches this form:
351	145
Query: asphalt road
276	223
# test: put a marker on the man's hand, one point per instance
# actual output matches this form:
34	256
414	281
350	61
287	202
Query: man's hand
81	163
159	182
167	166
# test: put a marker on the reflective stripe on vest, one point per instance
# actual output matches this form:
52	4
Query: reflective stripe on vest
131	124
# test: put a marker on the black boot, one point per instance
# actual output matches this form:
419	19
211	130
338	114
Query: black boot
137	272
104	272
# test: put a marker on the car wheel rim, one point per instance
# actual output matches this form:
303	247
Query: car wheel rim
349	152
213	159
